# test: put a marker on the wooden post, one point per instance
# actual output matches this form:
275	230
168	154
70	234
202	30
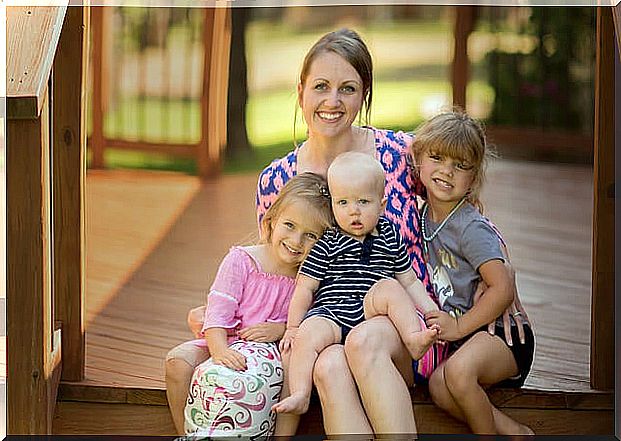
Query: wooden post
97	141
602	305
464	24
29	285
217	42
68	175
33	347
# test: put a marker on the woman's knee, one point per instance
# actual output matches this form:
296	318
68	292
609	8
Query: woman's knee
371	338
331	367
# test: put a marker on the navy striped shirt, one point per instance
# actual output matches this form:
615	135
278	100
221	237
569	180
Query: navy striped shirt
347	268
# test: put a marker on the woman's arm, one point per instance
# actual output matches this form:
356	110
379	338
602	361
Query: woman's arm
498	296
220	352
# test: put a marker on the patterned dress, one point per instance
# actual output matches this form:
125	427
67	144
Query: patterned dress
392	151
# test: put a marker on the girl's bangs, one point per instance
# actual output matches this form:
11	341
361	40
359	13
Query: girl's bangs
453	148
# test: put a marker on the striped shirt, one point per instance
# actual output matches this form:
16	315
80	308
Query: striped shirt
347	268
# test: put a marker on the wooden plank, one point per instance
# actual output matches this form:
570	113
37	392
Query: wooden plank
28	274
112	419
96	140
432	420
502	397
602	309
32	34
180	150
217	40
464	24
69	177
540	141
125	419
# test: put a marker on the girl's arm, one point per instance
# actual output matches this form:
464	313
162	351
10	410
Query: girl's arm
220	352
265	332
301	301
417	291
497	298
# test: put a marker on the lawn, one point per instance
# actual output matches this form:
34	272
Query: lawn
411	82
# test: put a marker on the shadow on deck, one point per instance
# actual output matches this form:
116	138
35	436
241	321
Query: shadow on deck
154	242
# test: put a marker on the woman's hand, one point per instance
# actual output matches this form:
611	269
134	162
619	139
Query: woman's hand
449	329
263	332
196	317
287	339
230	358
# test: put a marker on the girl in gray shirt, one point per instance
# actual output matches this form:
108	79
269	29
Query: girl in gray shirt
462	249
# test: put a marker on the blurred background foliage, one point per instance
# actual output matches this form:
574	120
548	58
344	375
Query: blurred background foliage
529	67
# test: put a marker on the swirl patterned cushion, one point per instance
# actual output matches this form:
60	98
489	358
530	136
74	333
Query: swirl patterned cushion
227	403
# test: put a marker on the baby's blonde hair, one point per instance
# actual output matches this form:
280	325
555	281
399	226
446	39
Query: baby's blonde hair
308	188
361	164
456	134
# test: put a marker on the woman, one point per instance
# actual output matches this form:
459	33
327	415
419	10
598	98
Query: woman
335	87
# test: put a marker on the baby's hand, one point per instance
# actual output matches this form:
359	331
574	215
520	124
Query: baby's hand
231	359
263	332
287	339
448	325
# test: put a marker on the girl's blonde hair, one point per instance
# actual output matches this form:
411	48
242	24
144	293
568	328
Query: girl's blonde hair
456	134
308	188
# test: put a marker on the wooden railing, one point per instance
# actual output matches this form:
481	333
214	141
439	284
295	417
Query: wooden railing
213	98
45	209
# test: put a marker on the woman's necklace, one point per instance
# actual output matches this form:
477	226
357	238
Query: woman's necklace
423	224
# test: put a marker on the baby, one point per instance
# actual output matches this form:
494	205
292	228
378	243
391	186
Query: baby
348	277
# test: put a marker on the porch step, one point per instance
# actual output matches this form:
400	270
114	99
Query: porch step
140	411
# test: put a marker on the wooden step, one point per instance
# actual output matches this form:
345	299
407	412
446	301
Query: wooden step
86	408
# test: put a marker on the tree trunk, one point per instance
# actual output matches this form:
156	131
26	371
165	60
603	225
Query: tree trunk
237	137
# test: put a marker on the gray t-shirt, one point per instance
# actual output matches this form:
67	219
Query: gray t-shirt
464	243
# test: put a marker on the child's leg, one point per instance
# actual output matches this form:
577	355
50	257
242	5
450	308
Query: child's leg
483	360
314	335
286	423
441	396
388	297
180	364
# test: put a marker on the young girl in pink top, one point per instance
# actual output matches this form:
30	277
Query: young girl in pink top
250	295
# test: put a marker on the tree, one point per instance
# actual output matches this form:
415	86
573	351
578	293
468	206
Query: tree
237	137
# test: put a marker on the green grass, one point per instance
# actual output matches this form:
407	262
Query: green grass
397	105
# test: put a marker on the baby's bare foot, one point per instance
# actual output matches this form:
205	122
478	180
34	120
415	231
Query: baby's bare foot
419	342
296	404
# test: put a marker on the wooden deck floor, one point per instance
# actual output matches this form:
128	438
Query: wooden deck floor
154	242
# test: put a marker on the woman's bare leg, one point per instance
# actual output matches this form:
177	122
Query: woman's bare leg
341	407
180	364
315	334
382	368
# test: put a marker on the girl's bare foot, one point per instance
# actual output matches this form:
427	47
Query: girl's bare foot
419	342
296	404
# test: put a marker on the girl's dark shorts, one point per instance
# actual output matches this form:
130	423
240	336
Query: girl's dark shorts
522	353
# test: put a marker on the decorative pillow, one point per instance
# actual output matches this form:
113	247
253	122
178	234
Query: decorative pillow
226	403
